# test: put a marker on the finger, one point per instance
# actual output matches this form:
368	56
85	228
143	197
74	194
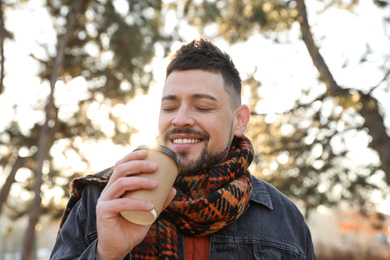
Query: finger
133	167
133	156
121	185
110	209
136	155
170	197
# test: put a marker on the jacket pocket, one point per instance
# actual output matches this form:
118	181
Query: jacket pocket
274	251
232	251
253	250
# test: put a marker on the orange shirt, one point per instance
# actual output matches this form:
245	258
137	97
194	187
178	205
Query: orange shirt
196	248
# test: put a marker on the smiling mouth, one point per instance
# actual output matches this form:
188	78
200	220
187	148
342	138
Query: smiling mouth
184	136
186	141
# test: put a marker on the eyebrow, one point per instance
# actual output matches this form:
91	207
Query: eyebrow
194	96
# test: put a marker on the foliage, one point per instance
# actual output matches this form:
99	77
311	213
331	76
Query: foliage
309	154
239	19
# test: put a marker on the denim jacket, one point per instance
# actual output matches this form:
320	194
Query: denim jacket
271	228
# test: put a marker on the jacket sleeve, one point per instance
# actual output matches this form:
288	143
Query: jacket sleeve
72	241
78	236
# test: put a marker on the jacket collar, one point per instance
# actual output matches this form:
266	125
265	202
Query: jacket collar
260	193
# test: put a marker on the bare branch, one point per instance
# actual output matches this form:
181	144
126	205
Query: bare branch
373	119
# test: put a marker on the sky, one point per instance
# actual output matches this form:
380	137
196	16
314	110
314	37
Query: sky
285	70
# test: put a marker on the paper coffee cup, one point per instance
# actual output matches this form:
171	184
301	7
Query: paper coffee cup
168	168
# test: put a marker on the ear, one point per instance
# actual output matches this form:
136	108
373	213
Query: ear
241	121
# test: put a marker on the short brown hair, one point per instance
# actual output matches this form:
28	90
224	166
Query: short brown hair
204	55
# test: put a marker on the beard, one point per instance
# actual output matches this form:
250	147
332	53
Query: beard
206	159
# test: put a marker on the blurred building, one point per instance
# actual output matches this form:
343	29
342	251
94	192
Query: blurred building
359	235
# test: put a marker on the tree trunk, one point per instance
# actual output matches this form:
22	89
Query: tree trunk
373	120
46	135
18	163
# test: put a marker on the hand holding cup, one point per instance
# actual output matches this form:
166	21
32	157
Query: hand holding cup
168	169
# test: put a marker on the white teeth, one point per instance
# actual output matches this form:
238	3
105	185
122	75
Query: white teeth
186	141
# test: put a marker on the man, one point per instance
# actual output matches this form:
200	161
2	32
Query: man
216	209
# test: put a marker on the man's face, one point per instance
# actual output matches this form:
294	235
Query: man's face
196	118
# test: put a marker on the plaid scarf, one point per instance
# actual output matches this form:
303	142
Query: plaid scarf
204	204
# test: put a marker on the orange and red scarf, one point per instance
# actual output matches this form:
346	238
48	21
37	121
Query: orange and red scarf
205	202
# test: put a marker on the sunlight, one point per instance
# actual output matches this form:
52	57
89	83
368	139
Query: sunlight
142	113
23	175
283	158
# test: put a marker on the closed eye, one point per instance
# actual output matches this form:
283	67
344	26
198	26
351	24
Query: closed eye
168	109
204	109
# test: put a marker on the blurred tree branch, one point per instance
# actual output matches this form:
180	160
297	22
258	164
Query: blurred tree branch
47	132
17	164
369	105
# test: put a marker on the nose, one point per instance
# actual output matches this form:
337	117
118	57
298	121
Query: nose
183	118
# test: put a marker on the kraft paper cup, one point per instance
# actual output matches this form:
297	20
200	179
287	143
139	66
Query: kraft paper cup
168	169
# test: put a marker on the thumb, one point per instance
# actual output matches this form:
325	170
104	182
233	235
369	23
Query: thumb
170	197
